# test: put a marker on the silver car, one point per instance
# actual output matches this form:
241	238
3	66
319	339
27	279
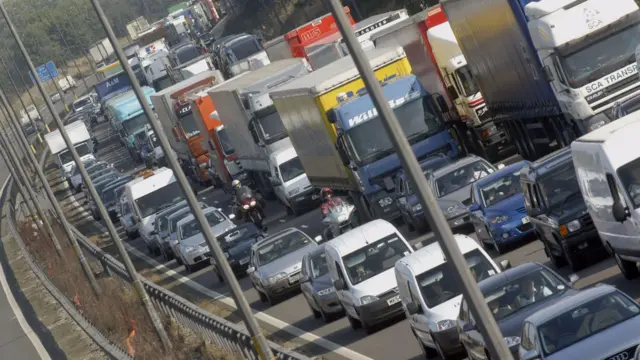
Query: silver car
275	263
160	233
600	322
125	216
317	287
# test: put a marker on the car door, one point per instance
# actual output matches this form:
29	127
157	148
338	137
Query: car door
477	217
419	321
305	273
345	296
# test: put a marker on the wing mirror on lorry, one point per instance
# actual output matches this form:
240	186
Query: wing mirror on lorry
618	209
548	74
342	152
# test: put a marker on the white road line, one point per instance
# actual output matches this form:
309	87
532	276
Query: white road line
33	337
272	321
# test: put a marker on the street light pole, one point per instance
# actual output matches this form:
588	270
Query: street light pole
131	270
470	290
260	342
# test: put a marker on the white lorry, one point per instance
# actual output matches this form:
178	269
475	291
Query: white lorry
255	128
82	142
154	64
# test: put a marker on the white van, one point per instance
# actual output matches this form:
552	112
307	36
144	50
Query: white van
361	266
290	182
431	297
607	163
157	191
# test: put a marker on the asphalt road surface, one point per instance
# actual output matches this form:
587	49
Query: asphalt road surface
292	318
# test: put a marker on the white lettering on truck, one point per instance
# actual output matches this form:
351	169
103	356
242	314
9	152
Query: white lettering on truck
371	113
611	79
113	82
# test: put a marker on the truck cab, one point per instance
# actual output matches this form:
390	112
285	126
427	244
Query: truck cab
129	118
82	142
240	54
153	61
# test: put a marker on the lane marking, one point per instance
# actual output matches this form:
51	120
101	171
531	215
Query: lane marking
264	317
26	328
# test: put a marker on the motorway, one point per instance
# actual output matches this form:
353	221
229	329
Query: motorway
291	318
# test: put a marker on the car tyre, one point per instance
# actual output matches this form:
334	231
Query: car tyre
261	295
355	323
368	328
188	267
575	261
178	260
629	269
316	314
557	261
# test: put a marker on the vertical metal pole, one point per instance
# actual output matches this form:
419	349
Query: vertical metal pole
131	270
486	323
46	226
260	342
25	149
56	207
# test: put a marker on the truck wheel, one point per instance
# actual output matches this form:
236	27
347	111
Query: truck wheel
629	269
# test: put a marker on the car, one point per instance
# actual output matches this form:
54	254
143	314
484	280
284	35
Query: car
452	184
431	297
172	231
93	176
236	245
407	201
75	180
109	175
600	322
558	212
622	109
109	194
317	287
55	97
512	296
497	210
101	185
161	232
275	264
125	216
193	248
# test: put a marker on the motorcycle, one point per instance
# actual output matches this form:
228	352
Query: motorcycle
251	210
339	220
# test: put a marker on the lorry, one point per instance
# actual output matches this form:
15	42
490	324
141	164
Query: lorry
82	142
177	118
136	27
66	83
254	125
330	48
340	140
31	113
292	44
101	51
154	61
193	67
240	54
550	70
111	87
437	60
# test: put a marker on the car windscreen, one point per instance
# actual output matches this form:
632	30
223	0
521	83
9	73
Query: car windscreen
175	217
375	258
66	157
192	228
291	169
438	284
150	203
502	188
318	265
187	54
515	295
283	245
560	186
234	242
585	320
461	177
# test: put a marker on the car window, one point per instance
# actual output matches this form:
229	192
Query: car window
522	292
375	258
192	228
560	186
586	320
501	189
281	246
461	177
629	175
318	265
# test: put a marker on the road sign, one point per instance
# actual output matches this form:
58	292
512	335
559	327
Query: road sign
45	72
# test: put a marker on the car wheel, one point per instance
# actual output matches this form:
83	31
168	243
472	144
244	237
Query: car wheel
188	267
497	247
261	295
355	323
557	261
428	352
316	314
575	261
369	329
629	269
178	260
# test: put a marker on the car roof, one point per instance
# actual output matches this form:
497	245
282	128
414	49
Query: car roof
362	236
179	212
431	255
318	250
175	207
500	173
509	275
458	164
119	182
571	302
546	164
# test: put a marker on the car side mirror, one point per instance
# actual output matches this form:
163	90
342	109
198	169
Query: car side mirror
339	285
251	270
413	308
531	355
505	264
232	216
620	212
275	181
473	207
318	238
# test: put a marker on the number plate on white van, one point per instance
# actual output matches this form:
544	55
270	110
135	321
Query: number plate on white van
525	220
393	300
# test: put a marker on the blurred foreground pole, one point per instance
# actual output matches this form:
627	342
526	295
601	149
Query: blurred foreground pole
484	319
24	146
56	206
131	270
260	342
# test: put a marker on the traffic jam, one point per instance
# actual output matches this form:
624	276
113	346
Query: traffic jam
522	120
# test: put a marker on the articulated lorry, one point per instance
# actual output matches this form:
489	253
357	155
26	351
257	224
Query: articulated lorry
342	143
256	130
549	70
437	60
239	54
82	142
176	115
111	87
101	51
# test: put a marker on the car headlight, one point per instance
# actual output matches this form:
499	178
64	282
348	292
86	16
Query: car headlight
445	324
190	248
277	277
295	191
573	225
226	255
416	208
367	299
512	341
252	203
499	219
326	291
245	206
385	201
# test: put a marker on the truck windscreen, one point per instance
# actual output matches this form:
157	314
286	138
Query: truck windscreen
243	48
418	119
227	148
134	124
65	156
187	54
189	125
271	125
166	195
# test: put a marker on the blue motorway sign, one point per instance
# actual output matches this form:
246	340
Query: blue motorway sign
45	72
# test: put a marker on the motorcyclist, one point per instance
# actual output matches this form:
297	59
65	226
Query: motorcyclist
243	191
328	201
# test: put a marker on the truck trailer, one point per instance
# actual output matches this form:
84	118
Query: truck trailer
549	70
82	142
340	140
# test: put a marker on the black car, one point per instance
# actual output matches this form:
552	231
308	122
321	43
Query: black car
556	209
236	244
512	296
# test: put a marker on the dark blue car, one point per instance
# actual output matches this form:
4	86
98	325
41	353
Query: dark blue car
236	245
497	210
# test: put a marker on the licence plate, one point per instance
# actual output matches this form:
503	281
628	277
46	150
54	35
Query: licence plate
393	300
525	220
244	261
294	278
314	197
